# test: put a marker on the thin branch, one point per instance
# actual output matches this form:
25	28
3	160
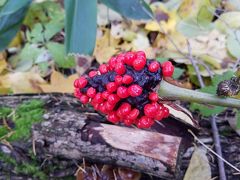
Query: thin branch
195	66
228	163
218	148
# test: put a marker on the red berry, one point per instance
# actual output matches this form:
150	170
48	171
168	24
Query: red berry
125	109
145	122
133	114
122	92
120	58
102	108
112	63
159	116
128	122
105	94
109	106
92	73
112	117
153	96
165	112
167	69
139	63
98	98
91	92
113	98
135	90
84	99
120	68
127	79
141	53
80	83
118	79
103	68
119	113
77	93
129	58
150	110
111	87
154	66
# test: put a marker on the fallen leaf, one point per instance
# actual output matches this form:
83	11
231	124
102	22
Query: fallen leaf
199	167
58	83
3	63
23	82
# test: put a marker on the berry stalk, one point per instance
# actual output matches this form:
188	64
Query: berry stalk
172	92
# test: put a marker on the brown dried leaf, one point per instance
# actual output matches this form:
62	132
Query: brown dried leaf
59	83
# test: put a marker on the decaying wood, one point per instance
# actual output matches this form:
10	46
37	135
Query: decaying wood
74	132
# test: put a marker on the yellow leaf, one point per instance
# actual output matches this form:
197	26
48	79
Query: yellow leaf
3	63
24	82
16	41
59	83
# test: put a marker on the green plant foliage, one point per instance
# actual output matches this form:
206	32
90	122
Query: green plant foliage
80	26
57	52
12	13
134	9
32	169
177	72
233	44
24	117
208	110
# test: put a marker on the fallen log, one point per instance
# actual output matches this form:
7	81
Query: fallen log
76	132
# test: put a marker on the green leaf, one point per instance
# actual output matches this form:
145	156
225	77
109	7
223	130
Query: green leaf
162	59
233	44
51	29
12	14
177	72
36	35
207	110
80	26
192	28
134	9
2	2
57	52
238	119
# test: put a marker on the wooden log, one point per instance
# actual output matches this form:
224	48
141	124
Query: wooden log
76	132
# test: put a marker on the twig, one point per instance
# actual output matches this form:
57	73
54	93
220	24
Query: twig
236	64
195	66
218	148
206	67
228	163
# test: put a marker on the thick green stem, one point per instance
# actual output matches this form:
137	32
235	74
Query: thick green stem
173	92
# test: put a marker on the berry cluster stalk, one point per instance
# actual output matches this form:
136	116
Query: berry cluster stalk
172	92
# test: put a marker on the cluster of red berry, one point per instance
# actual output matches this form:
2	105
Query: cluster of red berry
123	89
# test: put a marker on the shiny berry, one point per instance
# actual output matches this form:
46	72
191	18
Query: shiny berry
120	68
145	122
113	98
167	69
112	63
135	90
129	58
139	63
103	68
118	79
122	92
128	122
84	99
133	114
91	92
77	93
159	115
153	96
150	110
112	117
120	58
141	53
92	73
154	66
127	79
165	112
102	108
98	98
109	106
105	94
80	83
111	87
125	109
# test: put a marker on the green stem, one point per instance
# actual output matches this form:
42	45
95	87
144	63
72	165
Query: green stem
173	92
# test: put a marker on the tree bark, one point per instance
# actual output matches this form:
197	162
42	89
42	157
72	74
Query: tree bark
73	131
